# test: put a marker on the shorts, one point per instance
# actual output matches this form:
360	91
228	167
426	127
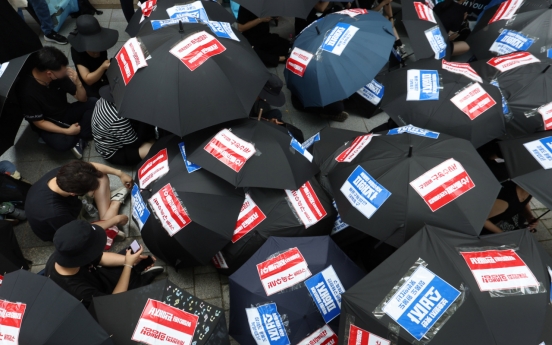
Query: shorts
127	155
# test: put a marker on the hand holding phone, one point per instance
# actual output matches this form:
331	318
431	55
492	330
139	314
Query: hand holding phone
134	246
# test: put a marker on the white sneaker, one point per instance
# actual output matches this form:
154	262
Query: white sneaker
119	194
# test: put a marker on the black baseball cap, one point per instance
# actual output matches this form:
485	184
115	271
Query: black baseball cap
272	91
78	243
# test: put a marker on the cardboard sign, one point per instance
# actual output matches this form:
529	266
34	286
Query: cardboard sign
195	10
443	184
338	224
191	167
541	150
338	38
158	24
326	289
169	210
306	204
436	41
250	216
310	141
283	271
510	41
322	336
511	61
11	317
414	130
299	148
424	12
266	325
162	324
197	48
473	101
354	149
219	261
506	10
140	211
422	85
546	113
153	168
223	29
230	150
372	92
130	59
352	12
505	109
499	270
298	61
463	69
358	336
364	192
420	301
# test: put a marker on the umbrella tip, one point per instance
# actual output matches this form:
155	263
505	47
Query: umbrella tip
180	26
317	30
546	69
410	151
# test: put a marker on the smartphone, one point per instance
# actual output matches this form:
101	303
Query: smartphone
134	246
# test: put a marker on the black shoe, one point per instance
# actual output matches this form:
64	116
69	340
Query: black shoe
56	38
78	149
149	275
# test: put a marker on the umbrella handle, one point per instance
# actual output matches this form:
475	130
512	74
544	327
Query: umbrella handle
260	113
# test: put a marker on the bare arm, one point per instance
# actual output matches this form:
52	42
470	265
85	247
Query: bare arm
107	223
112	260
92	77
321	6
51	127
129	261
80	95
252	24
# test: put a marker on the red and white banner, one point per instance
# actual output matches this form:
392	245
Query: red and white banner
352	12
169	210
230	150
461	68
250	216
283	271
507	62
298	61
11	317
219	261
546	112
1	279
443	184
322	336
197	48
130	59
506	10
499	270
306	204
473	101
358	336
424	12
147	7
153	168
162	324
354	149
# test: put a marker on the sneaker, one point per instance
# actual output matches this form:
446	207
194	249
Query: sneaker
56	38
341	117
78	149
148	276
119	194
120	236
156	270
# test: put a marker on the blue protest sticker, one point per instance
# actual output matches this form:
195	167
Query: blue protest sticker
436	41
140	212
194	9
266	325
505	108
223	29
325	289
414	130
550	274
364	192
191	167
422	85
549	53
510	41
541	150
372	92
310	141
299	148
338	38
338	224
158	24
420	301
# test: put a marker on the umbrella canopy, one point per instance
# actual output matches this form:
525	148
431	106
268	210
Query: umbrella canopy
476	317
122	315
50	316
389	186
284	8
445	103
336	56
293	304
502	11
329	139
212	80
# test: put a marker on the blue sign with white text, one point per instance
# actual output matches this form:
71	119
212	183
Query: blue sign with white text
511	41
338	38
158	24
414	130
364	192
222	29
372	92
505	108
299	148
547	143
266	325
436	41
325	289
422	85
191	167
140	212
310	141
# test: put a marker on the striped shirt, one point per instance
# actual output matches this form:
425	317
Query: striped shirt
110	131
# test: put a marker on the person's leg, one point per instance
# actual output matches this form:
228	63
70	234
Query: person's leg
145	148
460	48
81	112
128	9
42	11
107	208
59	142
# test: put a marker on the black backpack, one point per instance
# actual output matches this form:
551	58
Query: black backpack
13	190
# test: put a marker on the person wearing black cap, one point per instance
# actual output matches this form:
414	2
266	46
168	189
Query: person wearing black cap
78	253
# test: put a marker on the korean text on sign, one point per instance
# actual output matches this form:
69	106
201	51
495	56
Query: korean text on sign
266	325
195	10
298	61
511	61
364	192
443	184
473	101
223	30
424	12
506	10
250	216
358	336
372	92
140	211
219	261
422	85
306	204
541	150
510	41
436	41
11	317
546	113
283	271
414	130
169	210
354	149
158	24
230	150
322	336
130	59
338	38
326	289
353	12
196	49
153	168
461	68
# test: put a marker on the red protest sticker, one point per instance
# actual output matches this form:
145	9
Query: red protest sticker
169	210
473	101
130	59
354	149
358	336
352	12
162	324
230	150
306	204
424	12
153	168
1	279
250	216
147	7
499	270
546	113
443	184
283	271
322	336
11	317
507	62
461	68
298	61
506	10
219	261
195	49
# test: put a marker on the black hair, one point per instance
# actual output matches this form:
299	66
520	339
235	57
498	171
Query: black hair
78	177
50	58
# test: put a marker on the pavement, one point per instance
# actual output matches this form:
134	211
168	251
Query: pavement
34	160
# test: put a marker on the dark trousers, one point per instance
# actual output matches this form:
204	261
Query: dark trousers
128	9
270	48
334	108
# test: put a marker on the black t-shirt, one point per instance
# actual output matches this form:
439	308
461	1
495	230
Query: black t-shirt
256	33
47	211
451	16
41	102
84	59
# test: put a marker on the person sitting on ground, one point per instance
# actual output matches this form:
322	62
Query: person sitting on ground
53	200
89	46
74	264
43	98
453	16
119	140
271	48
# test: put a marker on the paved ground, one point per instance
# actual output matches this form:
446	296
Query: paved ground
34	160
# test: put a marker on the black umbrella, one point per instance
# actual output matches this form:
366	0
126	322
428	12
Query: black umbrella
293	309
21	40
476	116
190	216
401	182
45	314
284	8
503	11
271	212
329	139
122	316
458	311
251	153
217	80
